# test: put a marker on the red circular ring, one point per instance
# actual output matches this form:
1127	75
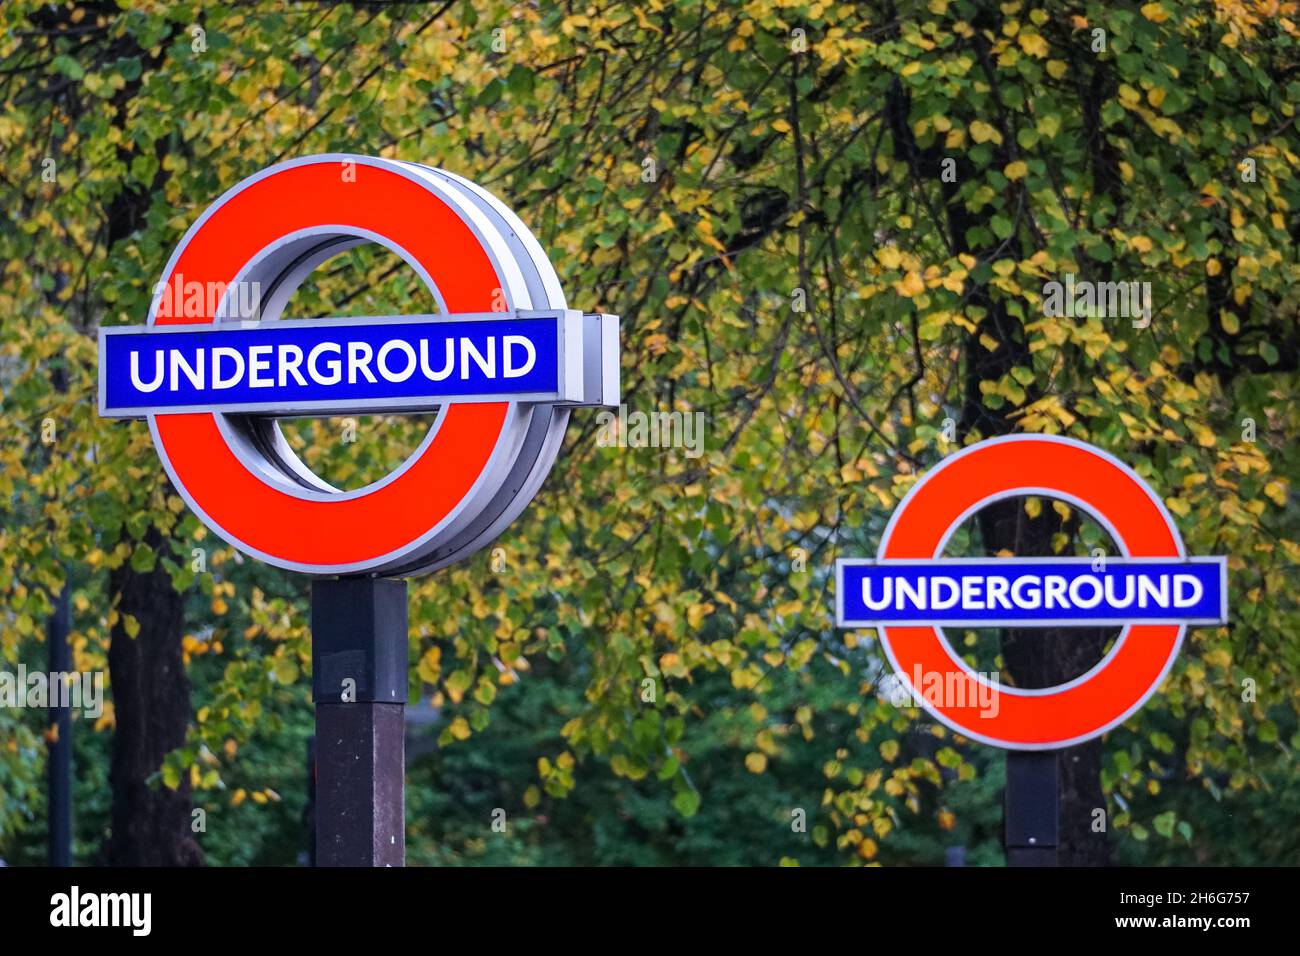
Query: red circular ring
352	532
1050	466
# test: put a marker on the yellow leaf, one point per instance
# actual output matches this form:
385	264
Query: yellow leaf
696	613
1033	44
983	132
1276	490
756	762
910	285
1016	170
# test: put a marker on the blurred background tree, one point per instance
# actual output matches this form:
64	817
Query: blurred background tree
759	190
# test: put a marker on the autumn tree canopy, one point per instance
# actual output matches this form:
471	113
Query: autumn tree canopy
829	229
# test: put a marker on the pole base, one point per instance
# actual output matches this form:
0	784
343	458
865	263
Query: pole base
360	771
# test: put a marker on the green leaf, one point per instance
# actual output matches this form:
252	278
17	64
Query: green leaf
68	67
143	559
686	802
1164	823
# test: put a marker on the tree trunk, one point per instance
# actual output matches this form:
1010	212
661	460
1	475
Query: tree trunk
151	702
1046	656
1038	657
1034	657
151	825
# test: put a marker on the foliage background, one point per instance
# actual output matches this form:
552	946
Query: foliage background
796	152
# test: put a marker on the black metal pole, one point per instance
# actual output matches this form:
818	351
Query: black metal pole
359	681
59	768
1032	807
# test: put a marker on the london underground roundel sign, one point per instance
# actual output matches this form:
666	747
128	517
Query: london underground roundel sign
502	363
1152	589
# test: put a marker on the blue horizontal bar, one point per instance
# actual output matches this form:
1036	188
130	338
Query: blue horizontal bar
1031	592
331	364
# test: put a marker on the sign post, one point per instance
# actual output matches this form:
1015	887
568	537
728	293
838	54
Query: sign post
1032	807
503	363
1152	589
359	680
